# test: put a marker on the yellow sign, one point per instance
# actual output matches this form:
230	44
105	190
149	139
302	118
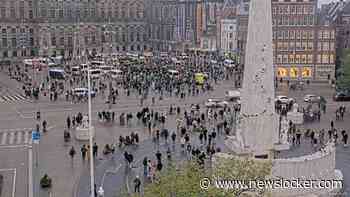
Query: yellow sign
200	78
294	72
307	72
282	72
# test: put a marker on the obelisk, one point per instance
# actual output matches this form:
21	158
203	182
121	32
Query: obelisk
258	121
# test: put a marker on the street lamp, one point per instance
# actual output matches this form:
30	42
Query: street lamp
92	176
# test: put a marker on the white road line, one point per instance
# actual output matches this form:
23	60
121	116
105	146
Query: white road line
14	183
26	135
12	137
19	137
16	146
4	138
30	173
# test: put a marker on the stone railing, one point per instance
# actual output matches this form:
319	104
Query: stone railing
317	166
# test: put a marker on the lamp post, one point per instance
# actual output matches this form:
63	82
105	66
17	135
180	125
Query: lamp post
92	176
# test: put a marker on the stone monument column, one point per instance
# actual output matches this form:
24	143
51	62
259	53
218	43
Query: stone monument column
259	123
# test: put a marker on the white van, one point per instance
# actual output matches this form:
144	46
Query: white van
95	73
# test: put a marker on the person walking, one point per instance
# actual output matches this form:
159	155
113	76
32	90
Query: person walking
95	150
137	183
72	153
83	151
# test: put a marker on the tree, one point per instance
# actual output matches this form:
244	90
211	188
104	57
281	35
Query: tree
184	179
344	79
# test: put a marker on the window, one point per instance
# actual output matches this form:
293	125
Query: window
4	42
13	12
326	34
53	40
93	12
116	12
291	46
62	41
279	58
303	59
297	59
138	37
304	46
311	20
285	46
292	9
320	35
310	59
331	48
298	34
325	59
60	13
310	46
14	53
298	46
305	21
292	34
13	42
70	41
319	59
279	46
3	12
286	36
230	35
300	9
306	9
285	59
52	12
5	54
319	46
305	34
30	14
331	59
291	58
311	35
31	41
325	46
274	10
332	34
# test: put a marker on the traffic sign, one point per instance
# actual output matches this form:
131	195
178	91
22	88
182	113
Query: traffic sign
35	137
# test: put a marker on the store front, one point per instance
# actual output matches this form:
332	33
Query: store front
294	72
325	72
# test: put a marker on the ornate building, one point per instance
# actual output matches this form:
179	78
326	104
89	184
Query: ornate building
51	27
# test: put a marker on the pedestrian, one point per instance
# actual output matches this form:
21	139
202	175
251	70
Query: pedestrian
137	183
95	150
145	166
72	152
83	151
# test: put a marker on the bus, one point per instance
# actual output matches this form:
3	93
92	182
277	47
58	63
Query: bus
57	73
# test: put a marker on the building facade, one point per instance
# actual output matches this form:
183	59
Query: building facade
51	27
299	52
228	35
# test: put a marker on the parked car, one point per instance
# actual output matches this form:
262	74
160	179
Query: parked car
232	95
341	96
83	92
216	103
284	99
310	98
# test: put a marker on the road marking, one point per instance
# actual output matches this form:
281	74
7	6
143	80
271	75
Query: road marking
4	138
19	137
12	137
109	171
14	183
30	173
26	135
16	146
